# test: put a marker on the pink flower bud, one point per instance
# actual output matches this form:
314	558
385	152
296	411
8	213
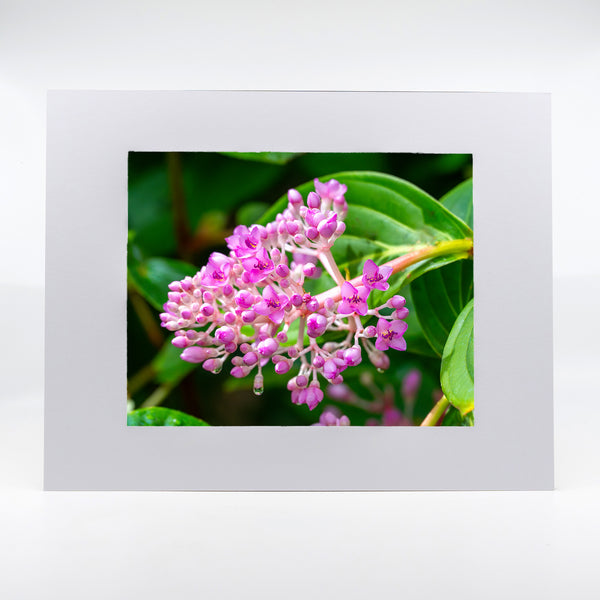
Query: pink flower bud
282	270
196	354
401	313
180	342
250	358
292	227
267	348
230	318
299	239
296	300
312	304
238	372
248	316
282	337
313	200
352	356
207	310
314	396
318	362
312	233
309	269
370	331
301	381
380	359
396	302
225	334
294	198
282	367
244	299
316	325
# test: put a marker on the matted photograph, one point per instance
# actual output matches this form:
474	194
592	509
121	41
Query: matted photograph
300	289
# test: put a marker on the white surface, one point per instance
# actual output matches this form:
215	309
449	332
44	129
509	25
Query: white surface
89	136
390	545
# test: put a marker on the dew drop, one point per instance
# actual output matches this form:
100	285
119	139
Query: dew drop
380	370
258	390
217	369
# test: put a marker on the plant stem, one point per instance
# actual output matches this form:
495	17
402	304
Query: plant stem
436	413
158	396
331	267
182	231
459	248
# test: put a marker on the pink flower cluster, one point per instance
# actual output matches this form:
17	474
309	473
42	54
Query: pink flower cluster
252	305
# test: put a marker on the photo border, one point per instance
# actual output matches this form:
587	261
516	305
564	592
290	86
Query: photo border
88	445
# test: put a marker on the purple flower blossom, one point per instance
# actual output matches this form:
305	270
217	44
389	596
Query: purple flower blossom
217	270
272	305
258	266
375	277
389	335
244	242
354	300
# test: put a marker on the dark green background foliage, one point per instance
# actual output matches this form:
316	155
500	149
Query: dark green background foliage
181	206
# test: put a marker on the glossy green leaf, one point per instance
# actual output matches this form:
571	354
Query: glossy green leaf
274	158
416	342
159	416
151	277
439	296
386	218
453	418
459	201
457	373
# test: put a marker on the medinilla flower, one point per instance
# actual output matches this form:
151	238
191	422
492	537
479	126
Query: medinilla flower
242	306
389	335
375	277
354	300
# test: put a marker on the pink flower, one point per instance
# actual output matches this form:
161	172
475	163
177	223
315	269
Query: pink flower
217	270
375	277
258	266
272	305
354	300
244	242
389	335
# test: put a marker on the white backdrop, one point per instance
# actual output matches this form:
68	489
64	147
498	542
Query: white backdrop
345	545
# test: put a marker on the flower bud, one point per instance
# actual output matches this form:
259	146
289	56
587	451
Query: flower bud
294	198
313	200
195	354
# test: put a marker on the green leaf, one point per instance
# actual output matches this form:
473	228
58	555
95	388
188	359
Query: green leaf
457	373
274	158
250	212
439	296
460	201
416	342
151	277
386	218
168	365
453	418
159	416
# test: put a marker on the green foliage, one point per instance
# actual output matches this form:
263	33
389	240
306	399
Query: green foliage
151	277
459	201
457	373
453	418
439	296
159	416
